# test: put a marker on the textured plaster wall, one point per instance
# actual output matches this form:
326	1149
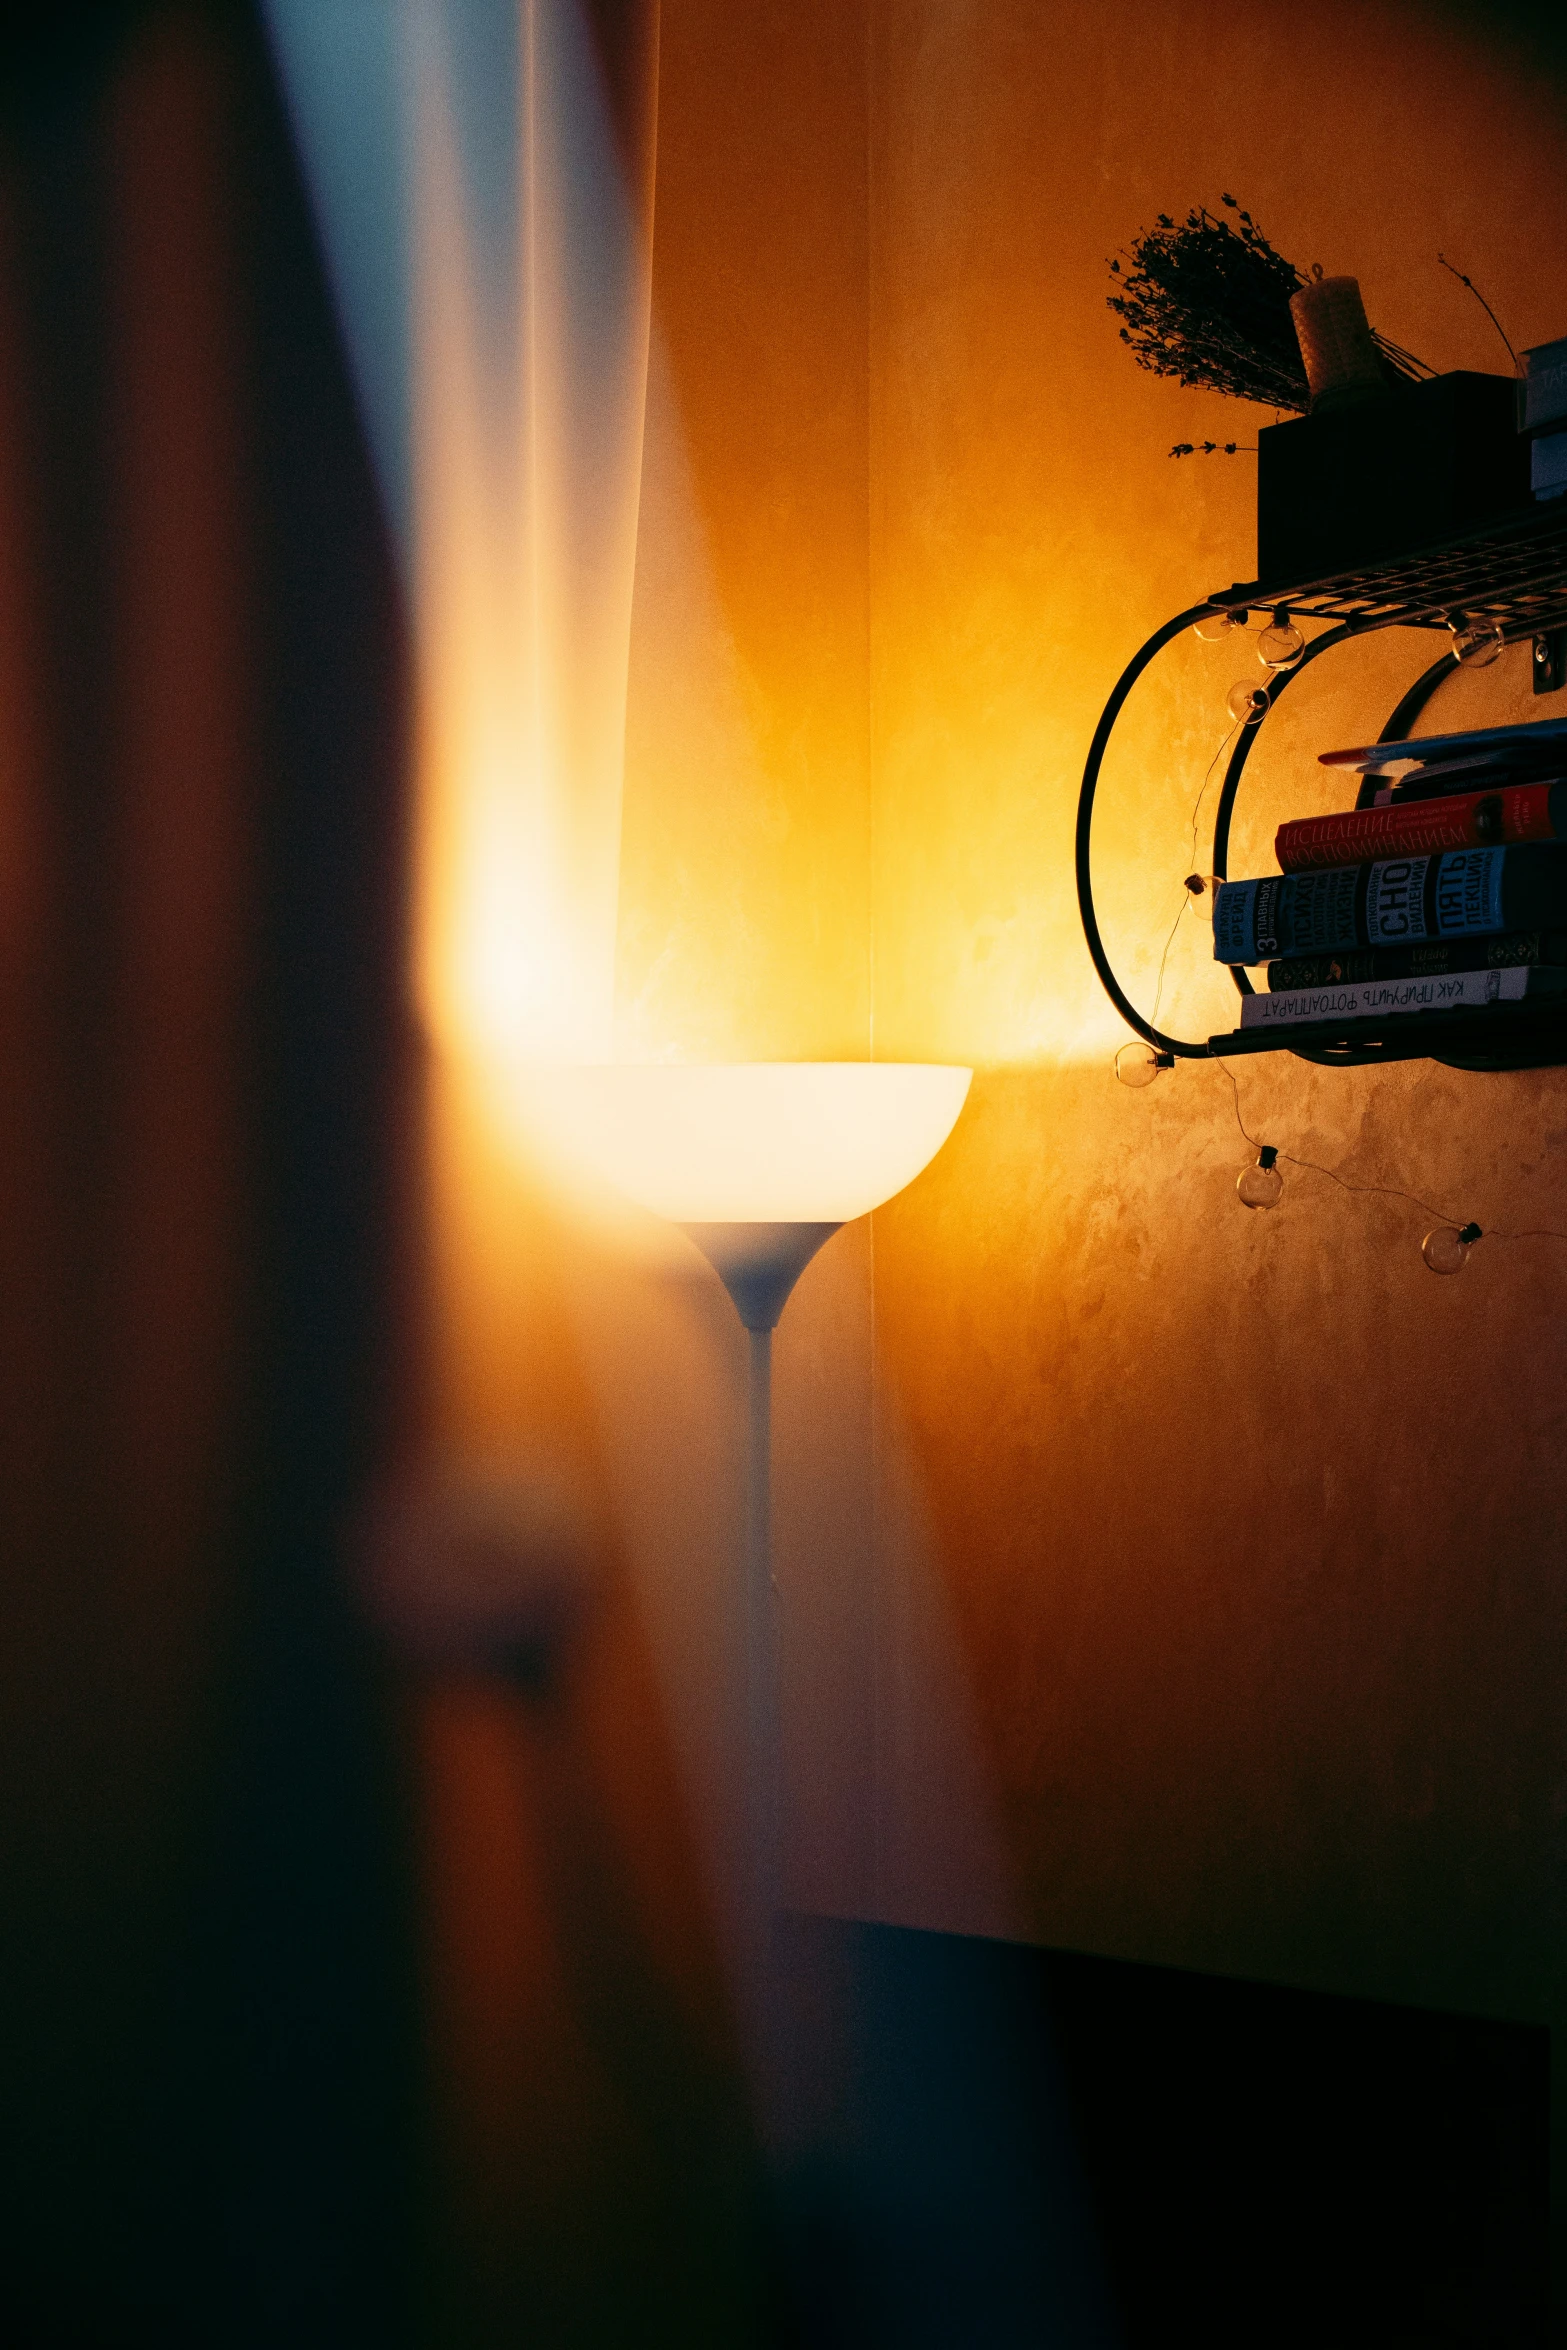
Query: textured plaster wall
1244	1525
1158	1578
1252	1529
1194	1589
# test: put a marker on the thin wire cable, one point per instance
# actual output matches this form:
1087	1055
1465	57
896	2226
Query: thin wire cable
1158	993
1381	1190
1186	895
1207	779
1491	315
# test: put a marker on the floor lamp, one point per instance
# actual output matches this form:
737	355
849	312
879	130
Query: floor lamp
760	1163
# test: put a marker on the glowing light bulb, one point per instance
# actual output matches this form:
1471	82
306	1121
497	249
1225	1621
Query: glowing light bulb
1446	1247
1282	645
1201	887
1476	646
1247	703
1214	627
1261	1186
1137	1064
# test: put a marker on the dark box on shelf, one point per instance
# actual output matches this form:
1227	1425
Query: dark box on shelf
1361	485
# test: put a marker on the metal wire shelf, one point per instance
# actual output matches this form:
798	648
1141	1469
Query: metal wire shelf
1512	575
1481	1037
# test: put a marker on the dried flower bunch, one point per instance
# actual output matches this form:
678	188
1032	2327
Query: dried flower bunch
1208	301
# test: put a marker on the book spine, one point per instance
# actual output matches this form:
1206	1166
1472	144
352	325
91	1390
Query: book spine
1436	783
1430	959
1374	998
1394	902
1521	812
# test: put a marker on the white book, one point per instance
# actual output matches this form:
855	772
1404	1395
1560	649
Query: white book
1365	999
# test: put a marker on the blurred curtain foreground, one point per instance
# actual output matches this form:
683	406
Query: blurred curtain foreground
296	2043
207	2049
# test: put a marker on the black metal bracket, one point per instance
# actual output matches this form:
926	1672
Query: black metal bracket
1396	729
1549	660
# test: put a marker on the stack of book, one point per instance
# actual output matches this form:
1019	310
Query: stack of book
1447	892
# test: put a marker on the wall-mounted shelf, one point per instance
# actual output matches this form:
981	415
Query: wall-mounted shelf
1512	575
1520	1036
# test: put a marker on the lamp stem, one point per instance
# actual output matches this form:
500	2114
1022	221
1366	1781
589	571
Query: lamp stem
762	1755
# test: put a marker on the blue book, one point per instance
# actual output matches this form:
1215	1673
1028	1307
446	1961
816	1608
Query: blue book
1397	901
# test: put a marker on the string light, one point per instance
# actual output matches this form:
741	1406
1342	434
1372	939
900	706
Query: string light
1247	703
1261	1186
1138	1064
1445	1247
1282	645
1278	648
1447	1244
1475	644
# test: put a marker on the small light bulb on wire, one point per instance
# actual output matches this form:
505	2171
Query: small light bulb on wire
1201	887
1446	1247
1261	1186
1247	703
1214	627
1475	644
1137	1064
1282	645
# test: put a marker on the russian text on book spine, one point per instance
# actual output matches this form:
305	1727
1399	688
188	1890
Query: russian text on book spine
1454	991
1522	812
1396	900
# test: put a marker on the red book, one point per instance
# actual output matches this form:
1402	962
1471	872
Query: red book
1419	828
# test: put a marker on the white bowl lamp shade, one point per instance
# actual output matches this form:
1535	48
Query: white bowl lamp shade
760	1161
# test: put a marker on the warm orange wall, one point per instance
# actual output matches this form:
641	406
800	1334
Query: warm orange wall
1214	1565
745	878
1252	1528
1157	1578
